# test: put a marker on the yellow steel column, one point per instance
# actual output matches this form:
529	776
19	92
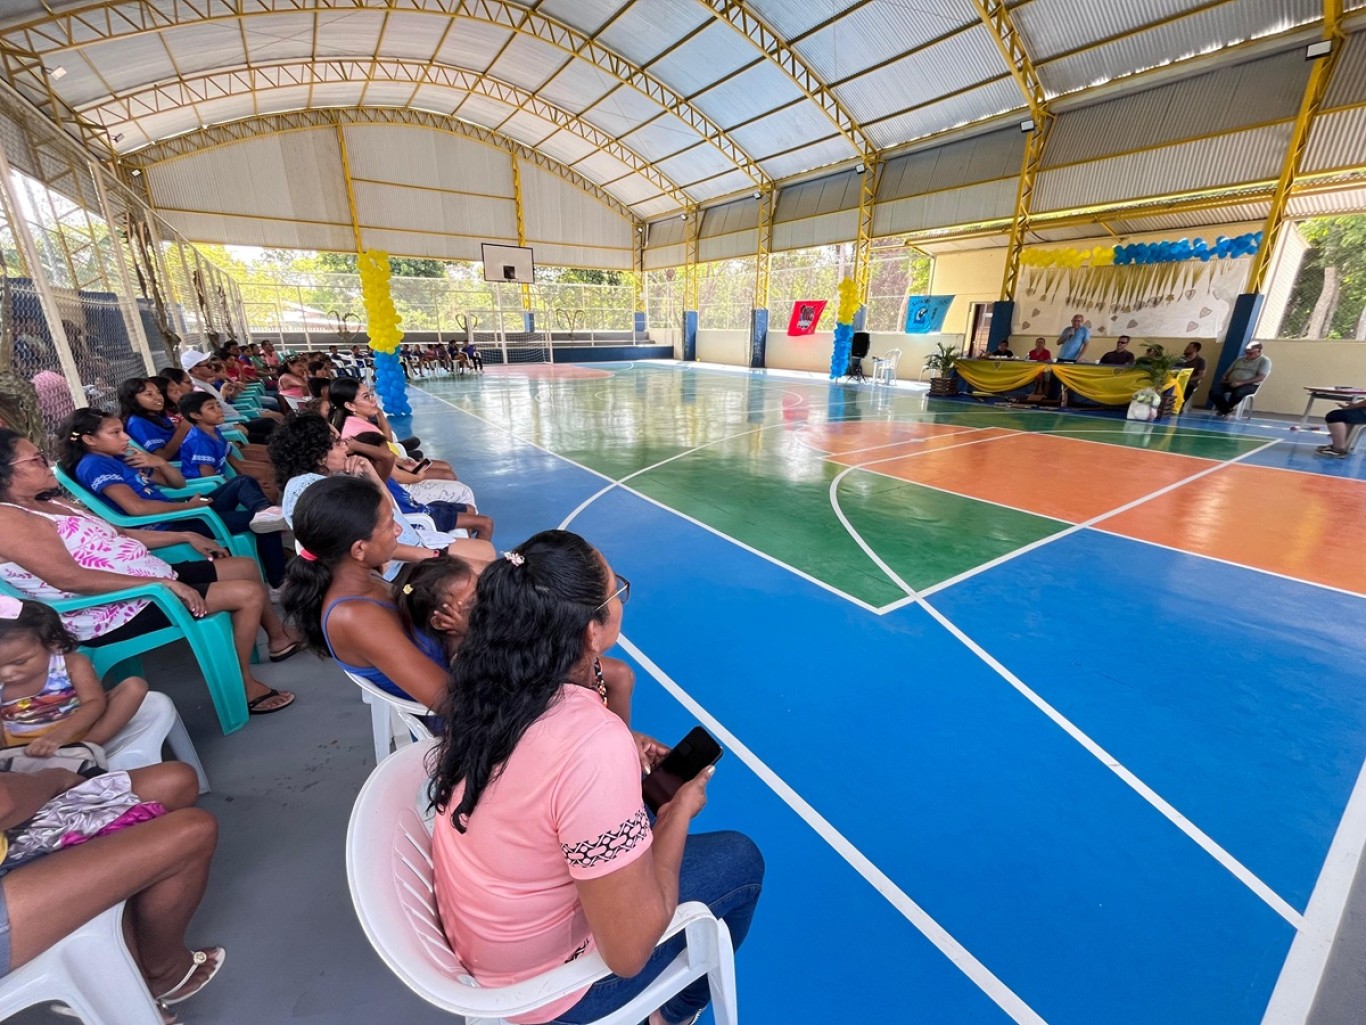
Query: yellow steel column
350	187
863	246
638	266
693	227
1320	76
995	15
521	223
763	248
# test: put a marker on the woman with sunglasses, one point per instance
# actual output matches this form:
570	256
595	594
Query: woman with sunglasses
542	848
53	548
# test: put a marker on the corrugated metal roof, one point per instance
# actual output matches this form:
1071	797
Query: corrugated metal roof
471	44
721	185
973	105
1248	156
585	15
963	245
346	33
1349	77
878	31
983	158
557	211
634	188
668	232
394	206
813	154
662	137
205	47
701	161
1233	97
823	196
748	95
730	217
1240	213
1230	22
567	146
820	230
1337	140
527	128
1051	27
963	60
484	110
653	207
259	231
410	155
728	247
621	110
793	17
971	203
528	62
646	30
602	167
578	86
1327	204
710	55
793	126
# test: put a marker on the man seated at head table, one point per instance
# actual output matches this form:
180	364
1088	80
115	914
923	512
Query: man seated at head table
1120	354
1002	352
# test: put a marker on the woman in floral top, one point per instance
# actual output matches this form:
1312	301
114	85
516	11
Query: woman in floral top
52	549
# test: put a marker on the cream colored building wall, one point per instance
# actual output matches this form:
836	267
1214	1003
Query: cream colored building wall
1297	364
970	277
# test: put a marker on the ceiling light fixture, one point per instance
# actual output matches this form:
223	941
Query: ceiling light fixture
1027	125
1315	51
118	138
860	168
136	172
758	194
57	72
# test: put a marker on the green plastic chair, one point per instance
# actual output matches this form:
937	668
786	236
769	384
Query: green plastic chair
237	544
210	639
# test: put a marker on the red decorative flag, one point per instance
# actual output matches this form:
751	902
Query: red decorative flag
806	314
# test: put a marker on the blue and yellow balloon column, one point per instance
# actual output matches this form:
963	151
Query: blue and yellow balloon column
382	322
844	328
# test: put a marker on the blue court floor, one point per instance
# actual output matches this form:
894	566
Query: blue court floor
1074	774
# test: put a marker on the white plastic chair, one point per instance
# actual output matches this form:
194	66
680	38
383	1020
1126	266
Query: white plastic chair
389	870
394	722
1243	411
90	971
884	367
156	723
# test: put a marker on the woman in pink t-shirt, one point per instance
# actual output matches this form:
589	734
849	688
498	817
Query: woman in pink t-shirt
542	845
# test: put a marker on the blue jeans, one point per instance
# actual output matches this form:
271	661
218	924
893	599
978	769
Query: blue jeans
236	502
725	871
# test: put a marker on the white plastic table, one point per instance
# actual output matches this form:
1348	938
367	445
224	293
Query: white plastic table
1341	393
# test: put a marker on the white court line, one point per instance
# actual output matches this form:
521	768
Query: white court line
1032	546
999	993
832	455
1240	871
858	538
1228	562
658	504
1305	965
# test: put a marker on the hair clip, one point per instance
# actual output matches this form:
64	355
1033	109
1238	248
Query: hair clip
10	607
407	588
516	558
307	556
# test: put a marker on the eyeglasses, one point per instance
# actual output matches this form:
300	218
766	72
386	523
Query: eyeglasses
39	458
623	592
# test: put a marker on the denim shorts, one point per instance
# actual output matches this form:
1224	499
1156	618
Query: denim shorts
4	933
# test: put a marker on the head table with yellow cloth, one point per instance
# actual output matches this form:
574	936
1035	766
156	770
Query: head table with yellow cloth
1108	385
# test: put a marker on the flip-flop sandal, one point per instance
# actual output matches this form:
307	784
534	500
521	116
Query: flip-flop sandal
272	693
215	955
289	652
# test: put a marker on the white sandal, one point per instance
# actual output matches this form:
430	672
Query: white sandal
197	960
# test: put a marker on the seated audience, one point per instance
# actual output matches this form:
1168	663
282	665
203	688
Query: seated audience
293	380
446	514
307	449
143	410
1191	358
435	602
51	696
1242	379
95	451
1340	422
471	353
206	453
355	410
52	548
1120	354
203	377
346	530
542	848
160	866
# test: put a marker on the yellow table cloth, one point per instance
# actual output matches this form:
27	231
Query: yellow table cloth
1108	385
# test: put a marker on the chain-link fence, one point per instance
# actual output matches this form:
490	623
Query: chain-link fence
96	287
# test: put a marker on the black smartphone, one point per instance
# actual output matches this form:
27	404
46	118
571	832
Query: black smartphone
689	756
422	464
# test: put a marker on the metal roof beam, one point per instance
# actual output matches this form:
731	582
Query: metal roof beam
1315	90
111	19
775	48
178	93
253	127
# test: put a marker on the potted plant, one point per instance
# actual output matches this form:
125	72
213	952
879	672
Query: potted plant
1158	396
941	363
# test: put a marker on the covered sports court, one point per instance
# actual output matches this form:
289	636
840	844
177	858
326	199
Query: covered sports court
1039	713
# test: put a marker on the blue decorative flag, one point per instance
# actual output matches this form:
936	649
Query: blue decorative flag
925	313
